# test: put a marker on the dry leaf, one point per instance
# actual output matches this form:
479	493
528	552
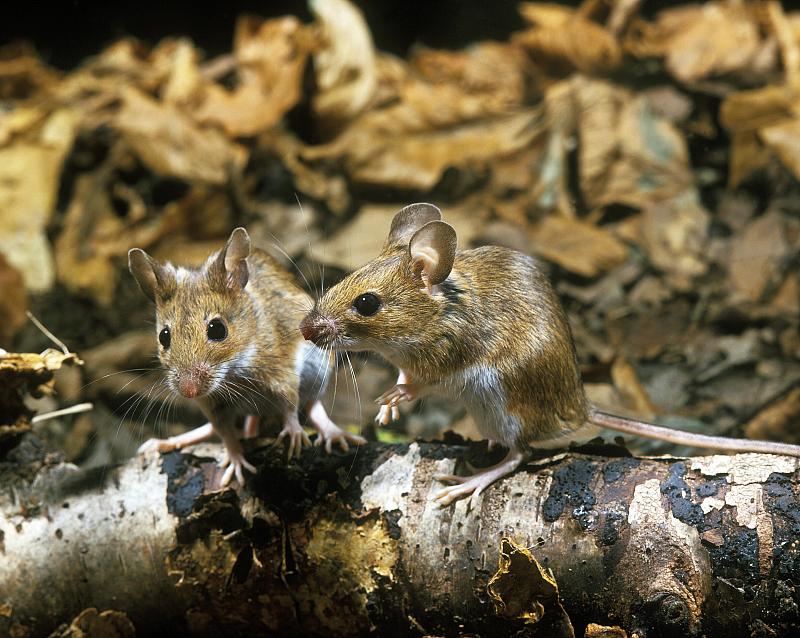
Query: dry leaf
562	40
13	302
675	233
170	144
778	420
29	179
270	56
626	381
756	256
784	140
523	589
345	66
577	246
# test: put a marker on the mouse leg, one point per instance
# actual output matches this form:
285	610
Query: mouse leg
328	432
252	423
404	390
198	435
293	431
475	484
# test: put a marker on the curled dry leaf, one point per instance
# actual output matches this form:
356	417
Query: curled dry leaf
13	302
756	257
494	70
577	246
417	159
561	40
270	57
344	66
521	588
170	144
762	122
675	233
701	42
29	177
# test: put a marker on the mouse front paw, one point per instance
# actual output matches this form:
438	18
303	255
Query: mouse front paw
233	464
296	437
387	413
400	392
333	434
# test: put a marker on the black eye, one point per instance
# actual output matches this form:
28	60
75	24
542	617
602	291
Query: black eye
164	337
216	330
367	304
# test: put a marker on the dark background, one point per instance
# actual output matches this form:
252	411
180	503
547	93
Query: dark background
65	33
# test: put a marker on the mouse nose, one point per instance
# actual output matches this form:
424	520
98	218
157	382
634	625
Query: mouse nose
308	329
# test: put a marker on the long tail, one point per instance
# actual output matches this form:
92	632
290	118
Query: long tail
679	437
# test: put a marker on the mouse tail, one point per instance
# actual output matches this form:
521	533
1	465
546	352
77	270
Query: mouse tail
679	437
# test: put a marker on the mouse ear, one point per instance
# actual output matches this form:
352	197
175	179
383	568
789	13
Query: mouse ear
408	221
229	269
432	250
155	280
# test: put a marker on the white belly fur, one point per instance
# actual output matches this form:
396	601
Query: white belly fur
479	389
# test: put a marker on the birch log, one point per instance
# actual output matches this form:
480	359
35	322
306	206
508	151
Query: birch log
350	545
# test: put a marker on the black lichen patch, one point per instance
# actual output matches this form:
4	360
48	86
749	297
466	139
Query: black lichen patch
184	483
612	524
737	558
571	486
615	470
782	502
678	494
216	511
392	519
710	487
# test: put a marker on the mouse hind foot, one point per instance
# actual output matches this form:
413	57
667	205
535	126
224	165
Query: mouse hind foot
328	433
473	485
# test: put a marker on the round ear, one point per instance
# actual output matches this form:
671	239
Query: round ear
408	221
231	264
155	280
432	250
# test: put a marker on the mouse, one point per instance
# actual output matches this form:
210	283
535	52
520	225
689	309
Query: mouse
483	327
228	340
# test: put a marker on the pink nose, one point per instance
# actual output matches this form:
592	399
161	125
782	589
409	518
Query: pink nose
308	330
189	387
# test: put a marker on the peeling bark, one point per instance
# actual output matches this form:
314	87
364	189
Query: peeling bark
349	545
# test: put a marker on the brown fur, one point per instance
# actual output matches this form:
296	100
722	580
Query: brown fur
495	309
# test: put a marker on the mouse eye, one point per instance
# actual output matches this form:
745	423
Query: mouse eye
164	337
367	304
216	330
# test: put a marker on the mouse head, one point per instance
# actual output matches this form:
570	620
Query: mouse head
386	305
204	318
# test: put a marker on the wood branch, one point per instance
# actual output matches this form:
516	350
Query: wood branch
349	545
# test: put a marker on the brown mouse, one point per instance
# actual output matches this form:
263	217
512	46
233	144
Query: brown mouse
483	327
227	338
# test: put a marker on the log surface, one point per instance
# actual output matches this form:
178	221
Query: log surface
350	545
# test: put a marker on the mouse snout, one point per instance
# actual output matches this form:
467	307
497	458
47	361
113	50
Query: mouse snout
316	328
193	383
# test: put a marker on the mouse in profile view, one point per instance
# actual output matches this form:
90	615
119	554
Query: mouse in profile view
483	327
228	339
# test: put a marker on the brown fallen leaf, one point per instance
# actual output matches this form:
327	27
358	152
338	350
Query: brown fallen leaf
561	40
577	246
344	67
29	181
604	631
13	302
777	421
521	588
170	144
675	232
626	381
756	256
270	57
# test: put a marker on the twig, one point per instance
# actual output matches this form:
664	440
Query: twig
75	409
47	333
